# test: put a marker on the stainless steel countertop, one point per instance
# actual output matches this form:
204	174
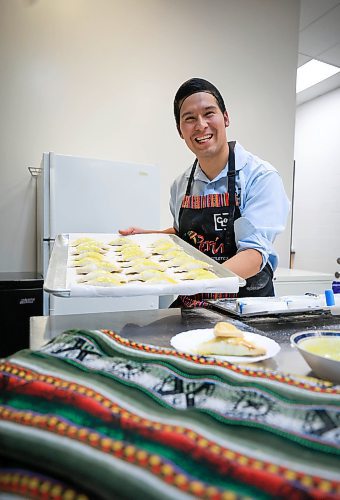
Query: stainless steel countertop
158	326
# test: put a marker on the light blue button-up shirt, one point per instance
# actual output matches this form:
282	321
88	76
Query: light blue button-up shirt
263	203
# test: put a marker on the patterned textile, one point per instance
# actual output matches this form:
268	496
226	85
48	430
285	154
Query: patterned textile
94	415
210	200
200	299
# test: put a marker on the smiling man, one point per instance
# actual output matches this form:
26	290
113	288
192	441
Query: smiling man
229	204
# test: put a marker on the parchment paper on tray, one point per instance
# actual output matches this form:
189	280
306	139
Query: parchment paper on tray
69	268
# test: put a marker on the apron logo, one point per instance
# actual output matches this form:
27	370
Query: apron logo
221	221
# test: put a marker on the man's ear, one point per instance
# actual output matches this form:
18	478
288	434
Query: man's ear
180	133
226	119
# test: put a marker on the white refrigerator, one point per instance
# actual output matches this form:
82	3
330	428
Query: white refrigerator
77	195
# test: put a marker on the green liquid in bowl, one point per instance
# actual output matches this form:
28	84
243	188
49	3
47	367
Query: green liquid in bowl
328	347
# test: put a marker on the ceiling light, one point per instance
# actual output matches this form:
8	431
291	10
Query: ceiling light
313	72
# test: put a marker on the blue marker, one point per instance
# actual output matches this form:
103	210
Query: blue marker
329	295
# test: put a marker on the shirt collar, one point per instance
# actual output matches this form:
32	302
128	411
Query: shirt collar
240	162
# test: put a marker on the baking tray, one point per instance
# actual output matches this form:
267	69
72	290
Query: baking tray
229	306
58	281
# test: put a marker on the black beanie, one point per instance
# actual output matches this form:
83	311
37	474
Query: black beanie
193	86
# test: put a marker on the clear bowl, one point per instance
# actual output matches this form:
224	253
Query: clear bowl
322	366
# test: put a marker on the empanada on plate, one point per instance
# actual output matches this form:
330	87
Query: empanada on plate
229	346
225	329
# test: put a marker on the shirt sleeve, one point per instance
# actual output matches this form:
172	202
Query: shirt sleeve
177	192
264	211
173	205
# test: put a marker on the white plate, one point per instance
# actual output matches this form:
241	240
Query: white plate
188	341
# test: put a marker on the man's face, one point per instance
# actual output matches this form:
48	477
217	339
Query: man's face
202	125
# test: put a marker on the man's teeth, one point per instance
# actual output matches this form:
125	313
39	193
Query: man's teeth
204	138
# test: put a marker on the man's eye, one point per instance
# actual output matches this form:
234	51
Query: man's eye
209	113
189	119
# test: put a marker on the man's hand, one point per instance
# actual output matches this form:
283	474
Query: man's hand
134	230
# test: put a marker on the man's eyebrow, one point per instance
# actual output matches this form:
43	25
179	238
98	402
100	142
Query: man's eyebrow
207	108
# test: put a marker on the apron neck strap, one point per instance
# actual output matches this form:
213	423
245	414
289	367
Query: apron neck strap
191	178
231	174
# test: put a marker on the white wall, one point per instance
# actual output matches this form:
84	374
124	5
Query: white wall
316	221
97	78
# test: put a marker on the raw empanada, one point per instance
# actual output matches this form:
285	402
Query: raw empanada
163	245
88	255
93	275
139	265
162	280
88	247
94	265
84	261
149	274
120	240
199	274
106	281
84	239
190	264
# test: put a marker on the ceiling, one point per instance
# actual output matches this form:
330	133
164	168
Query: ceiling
319	38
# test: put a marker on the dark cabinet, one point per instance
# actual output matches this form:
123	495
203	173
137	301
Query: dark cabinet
21	296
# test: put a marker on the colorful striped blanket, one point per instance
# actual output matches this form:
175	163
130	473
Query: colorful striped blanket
94	415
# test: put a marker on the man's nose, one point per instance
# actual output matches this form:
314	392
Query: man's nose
201	123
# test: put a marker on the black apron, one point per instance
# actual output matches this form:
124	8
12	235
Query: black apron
207	223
